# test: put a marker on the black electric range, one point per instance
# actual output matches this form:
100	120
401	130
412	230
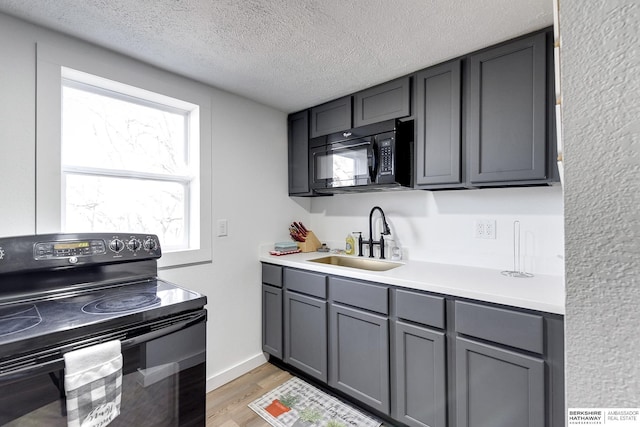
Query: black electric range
67	288
64	292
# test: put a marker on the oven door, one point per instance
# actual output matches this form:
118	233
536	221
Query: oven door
343	164
163	379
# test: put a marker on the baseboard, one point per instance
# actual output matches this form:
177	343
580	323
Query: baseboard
221	378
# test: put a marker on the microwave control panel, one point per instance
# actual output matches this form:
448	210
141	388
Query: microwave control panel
386	156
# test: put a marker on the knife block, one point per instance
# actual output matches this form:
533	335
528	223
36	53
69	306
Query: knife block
311	243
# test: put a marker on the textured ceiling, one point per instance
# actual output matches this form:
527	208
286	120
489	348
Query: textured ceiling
289	54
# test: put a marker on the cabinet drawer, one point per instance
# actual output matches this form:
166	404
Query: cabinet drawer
360	294
420	308
508	327
305	282
272	275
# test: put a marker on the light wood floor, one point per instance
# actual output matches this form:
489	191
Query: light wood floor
227	405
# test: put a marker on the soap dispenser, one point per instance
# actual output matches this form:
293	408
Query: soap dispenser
350	246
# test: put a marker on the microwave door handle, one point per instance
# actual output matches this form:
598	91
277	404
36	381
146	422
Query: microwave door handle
345	147
373	167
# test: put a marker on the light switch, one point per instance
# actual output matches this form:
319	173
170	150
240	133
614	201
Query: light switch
222	227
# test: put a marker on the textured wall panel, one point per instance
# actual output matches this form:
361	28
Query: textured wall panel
601	108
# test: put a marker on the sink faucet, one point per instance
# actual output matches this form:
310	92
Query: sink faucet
371	242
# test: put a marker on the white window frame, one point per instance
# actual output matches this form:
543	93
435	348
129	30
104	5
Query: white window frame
112	71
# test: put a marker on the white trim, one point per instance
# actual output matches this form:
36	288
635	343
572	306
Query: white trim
221	378
122	70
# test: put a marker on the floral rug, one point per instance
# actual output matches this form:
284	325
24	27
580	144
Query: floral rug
297	404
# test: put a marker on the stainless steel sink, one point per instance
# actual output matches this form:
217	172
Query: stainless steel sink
359	263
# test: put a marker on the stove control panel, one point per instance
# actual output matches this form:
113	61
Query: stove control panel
68	250
124	246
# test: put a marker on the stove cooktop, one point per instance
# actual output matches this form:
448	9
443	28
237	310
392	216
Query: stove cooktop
32	325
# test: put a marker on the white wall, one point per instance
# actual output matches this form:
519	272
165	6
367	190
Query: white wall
438	226
249	190
600	74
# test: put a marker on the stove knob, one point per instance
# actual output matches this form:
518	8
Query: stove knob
116	245
133	245
150	244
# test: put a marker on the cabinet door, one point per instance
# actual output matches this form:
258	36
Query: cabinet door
438	125
498	388
360	356
506	131
420	376
384	102
272	320
331	117
305	334
299	153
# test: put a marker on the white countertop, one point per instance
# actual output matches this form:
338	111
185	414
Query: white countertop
541	292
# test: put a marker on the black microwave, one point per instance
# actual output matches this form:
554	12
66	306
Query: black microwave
364	159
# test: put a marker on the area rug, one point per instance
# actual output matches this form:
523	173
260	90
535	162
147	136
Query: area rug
297	404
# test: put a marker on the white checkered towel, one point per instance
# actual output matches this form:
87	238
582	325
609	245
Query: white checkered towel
93	383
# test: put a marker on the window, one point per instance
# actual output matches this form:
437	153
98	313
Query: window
123	147
128	163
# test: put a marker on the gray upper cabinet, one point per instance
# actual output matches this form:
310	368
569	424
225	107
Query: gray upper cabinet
507	113
481	120
497	387
298	145
387	101
331	117
438	145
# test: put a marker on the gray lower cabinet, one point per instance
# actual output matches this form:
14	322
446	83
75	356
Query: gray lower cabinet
272	310
272	320
438	146
420	376
305	330
507	113
359	355
425	360
497	387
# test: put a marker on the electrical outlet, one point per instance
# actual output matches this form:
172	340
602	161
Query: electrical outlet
222	227
484	229
478	229
490	229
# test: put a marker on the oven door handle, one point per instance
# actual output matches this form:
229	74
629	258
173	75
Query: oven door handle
40	368
58	363
175	327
